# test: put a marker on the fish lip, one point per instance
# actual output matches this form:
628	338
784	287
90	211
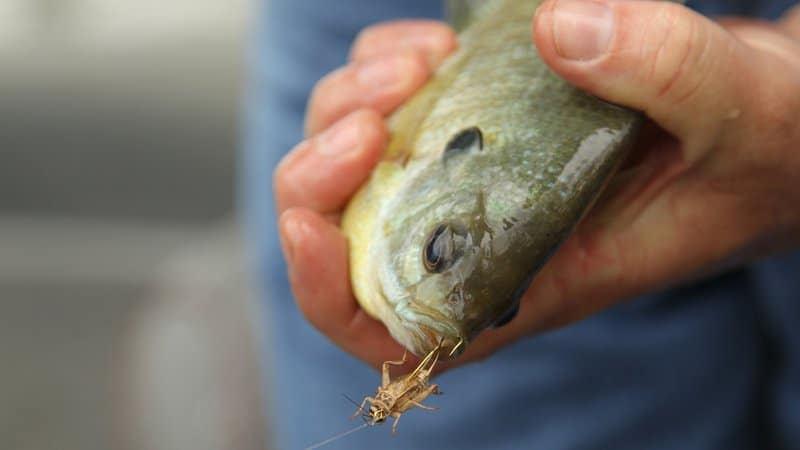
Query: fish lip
432	329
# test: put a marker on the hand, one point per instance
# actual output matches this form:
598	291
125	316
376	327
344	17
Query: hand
346	135
712	185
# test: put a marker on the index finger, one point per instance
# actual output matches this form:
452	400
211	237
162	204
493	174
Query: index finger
389	63
434	39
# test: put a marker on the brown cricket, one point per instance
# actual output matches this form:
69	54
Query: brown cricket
395	397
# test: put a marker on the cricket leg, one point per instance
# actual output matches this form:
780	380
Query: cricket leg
433	363
385	377
363	404
422	396
429	361
421	406
394	426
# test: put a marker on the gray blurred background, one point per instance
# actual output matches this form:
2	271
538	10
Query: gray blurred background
125	316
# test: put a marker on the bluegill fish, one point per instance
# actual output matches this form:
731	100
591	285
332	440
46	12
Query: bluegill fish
490	166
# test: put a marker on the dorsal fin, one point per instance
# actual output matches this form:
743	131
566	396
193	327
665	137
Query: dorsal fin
460	13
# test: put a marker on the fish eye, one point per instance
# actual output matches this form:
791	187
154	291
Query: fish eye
442	248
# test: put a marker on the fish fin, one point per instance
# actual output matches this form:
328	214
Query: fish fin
507	317
460	13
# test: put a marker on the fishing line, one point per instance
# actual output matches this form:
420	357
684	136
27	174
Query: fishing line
338	436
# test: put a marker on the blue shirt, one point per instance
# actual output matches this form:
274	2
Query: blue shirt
714	365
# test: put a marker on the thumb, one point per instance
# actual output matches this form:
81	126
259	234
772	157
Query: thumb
685	72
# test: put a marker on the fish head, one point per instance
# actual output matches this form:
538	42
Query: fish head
489	167
440	256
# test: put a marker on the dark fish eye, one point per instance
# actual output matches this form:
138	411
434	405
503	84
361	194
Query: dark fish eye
442	248
467	139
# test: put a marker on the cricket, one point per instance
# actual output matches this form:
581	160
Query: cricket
395	397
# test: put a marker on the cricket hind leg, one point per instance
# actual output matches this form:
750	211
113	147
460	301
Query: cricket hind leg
385	376
416	401
433	358
425	407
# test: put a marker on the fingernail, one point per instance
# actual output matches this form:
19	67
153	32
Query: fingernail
384	73
582	29
340	140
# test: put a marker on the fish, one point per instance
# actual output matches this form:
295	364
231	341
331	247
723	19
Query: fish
489	168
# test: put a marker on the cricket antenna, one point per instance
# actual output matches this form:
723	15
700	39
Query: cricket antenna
353	402
364	415
338	436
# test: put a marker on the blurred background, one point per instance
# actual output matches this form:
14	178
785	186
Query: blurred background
125	317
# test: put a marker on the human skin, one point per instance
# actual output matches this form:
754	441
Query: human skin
714	181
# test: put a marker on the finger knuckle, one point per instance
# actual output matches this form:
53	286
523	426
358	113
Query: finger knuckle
366	37
779	110
371	35
281	181
324	100
329	84
371	124
676	65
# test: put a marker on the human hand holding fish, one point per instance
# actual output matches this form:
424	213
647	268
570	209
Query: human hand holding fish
712	181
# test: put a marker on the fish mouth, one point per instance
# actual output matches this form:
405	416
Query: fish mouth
429	329
418	327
